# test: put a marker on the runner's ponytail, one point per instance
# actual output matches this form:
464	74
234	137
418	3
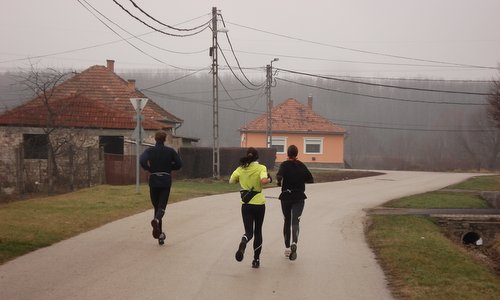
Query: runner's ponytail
252	155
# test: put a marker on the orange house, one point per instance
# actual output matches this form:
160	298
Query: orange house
320	142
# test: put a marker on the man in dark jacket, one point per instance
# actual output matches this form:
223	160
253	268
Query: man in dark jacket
160	161
292	177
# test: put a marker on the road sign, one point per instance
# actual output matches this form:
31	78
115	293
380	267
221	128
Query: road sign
137	131
139	101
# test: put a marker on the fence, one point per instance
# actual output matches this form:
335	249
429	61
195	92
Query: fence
85	167
197	163
121	169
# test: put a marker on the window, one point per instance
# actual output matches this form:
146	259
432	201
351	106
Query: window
279	143
36	146
111	144
313	145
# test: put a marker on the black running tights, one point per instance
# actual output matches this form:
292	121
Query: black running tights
292	210
253	218
159	199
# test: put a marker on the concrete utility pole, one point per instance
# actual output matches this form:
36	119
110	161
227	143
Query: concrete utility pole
269	80
215	91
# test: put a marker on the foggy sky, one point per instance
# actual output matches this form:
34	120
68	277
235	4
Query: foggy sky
457	31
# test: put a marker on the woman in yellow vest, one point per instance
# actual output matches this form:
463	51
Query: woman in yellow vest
251	175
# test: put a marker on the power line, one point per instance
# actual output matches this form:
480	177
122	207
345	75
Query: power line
363	51
168	26
229	95
112	42
340	122
384	85
190	100
477	130
128	42
346	61
413	79
232	71
173	80
159	30
381	97
236	58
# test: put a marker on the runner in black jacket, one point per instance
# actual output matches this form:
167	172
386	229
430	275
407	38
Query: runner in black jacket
292	177
160	161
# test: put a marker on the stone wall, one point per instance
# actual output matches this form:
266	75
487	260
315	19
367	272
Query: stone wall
76	155
456	227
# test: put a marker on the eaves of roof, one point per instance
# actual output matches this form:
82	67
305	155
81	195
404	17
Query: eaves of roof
94	98
292	116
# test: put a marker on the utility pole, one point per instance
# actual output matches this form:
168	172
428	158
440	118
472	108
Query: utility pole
269	81
215	92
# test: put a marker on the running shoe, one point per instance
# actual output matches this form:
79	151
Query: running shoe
293	252
161	238
156	228
256	263
287	252
241	251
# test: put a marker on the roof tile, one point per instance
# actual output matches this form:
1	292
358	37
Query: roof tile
94	98
292	116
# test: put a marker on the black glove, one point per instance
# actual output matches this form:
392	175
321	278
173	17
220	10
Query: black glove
270	178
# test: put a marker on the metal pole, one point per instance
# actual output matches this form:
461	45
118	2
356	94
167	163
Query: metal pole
269	106
137	144
215	89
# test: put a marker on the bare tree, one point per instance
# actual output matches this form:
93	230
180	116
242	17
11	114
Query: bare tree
43	85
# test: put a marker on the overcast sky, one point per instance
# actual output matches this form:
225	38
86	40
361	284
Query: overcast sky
353	38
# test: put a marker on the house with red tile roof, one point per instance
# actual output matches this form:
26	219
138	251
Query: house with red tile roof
320	142
91	109
95	99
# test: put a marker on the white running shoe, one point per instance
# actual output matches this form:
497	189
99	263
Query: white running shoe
287	252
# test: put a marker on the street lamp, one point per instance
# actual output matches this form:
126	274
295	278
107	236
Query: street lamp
269	76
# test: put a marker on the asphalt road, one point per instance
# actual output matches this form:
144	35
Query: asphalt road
122	261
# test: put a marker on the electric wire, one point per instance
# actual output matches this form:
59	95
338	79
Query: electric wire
135	36
338	122
195	101
236	58
128	42
478	130
174	80
232	71
229	95
159	30
364	51
166	25
108	43
383	85
383	97
346	61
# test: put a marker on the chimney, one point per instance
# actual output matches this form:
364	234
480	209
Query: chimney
131	84
310	102
111	65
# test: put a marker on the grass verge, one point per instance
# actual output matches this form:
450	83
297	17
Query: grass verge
419	261
39	222
423	264
439	200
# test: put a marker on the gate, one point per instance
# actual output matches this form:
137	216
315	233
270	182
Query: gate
120	169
